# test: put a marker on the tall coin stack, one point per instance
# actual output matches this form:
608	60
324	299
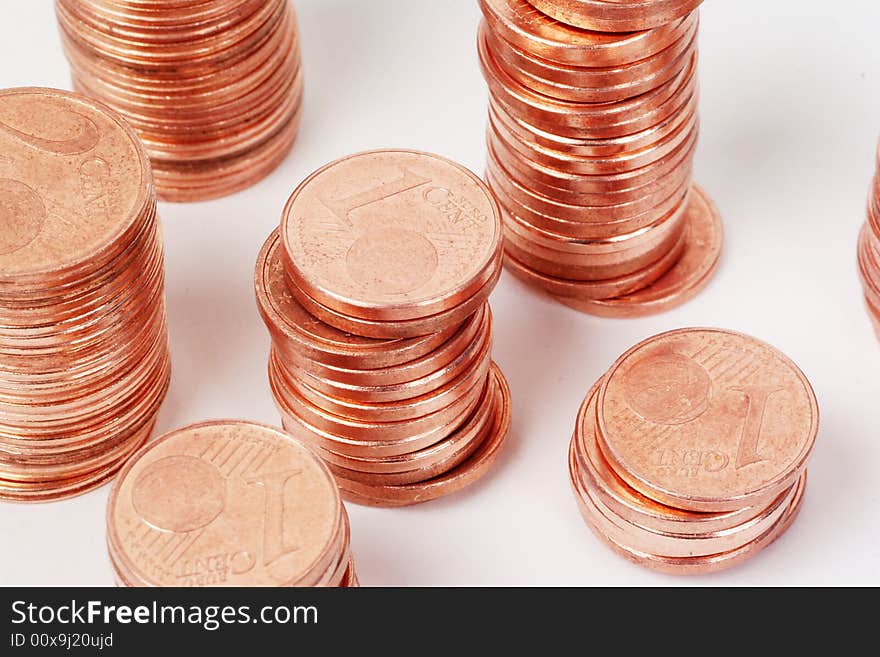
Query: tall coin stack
228	503
690	454
84	362
213	88
869	253
374	291
591	136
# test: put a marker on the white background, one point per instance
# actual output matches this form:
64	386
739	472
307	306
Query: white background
791	113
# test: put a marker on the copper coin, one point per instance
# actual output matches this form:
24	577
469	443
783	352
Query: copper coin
707	420
579	120
388	330
391	236
581	189
425	463
592	259
692	272
538	139
600	289
64	153
626	501
570	85
410	409
670	134
369	438
226	503
586	83
289	323
215	93
693	565
677	546
518	22
465	474
378	429
444	354
613	16
84	363
475	351
637	209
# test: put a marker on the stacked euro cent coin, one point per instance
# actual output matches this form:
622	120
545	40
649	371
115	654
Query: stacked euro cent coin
869	253
374	291
213	88
616	15
84	362
591	138
689	456
228	503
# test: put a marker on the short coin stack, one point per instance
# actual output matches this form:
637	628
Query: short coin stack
689	456
591	139
84	362
228	503
869	253
375	294
213	88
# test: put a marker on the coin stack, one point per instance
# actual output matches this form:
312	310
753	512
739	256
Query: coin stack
84	362
228	503
689	456
374	291
591	135
869	253
213	88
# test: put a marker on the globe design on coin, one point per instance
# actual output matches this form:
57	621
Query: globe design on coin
374	264
22	214
179	494
668	388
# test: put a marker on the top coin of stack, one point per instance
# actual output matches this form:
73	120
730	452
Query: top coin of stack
591	138
690	454
616	15
84	362
228	503
213	88
375	293
869	252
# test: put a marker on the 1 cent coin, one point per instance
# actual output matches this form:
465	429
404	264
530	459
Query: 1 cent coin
392	235
707	420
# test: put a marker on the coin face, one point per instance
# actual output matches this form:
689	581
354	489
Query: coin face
223	504
706	419
73	178
391	235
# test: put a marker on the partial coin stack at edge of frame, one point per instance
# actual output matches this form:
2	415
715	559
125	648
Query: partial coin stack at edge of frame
214	89
869	252
84	359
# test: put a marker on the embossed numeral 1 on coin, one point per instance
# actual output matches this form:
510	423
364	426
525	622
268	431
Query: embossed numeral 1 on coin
273	516
342	208
750	435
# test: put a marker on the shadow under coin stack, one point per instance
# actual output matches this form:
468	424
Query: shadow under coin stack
869	253
213	88
592	130
228	503
689	456
375	294
84	362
